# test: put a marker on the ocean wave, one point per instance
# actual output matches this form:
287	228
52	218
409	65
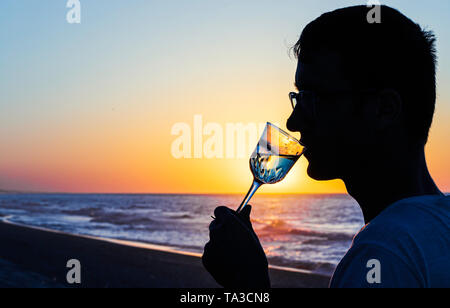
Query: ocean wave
90	212
116	218
120	219
138	206
283	228
180	216
33	204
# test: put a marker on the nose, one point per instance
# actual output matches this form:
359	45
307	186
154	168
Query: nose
293	125
298	122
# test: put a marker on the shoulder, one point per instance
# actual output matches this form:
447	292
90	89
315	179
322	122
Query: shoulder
405	222
399	239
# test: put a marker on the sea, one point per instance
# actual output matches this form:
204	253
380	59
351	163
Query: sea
311	232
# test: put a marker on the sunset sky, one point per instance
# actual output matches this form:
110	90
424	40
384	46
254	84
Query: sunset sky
90	107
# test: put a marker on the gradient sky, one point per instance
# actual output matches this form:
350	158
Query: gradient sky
89	107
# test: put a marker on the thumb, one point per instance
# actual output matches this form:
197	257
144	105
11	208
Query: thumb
246	211
244	216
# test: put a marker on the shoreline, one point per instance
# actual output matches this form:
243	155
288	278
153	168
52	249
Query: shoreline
119	263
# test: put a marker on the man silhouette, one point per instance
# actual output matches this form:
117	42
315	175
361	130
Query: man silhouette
365	105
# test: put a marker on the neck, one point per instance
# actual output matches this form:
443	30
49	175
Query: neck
379	183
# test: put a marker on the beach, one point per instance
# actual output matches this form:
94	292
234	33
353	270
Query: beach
36	257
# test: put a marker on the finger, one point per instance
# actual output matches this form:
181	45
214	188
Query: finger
213	255
222	213
220	230
216	224
206	257
246	211
228	224
244	216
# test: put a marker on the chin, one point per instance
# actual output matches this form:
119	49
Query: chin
321	173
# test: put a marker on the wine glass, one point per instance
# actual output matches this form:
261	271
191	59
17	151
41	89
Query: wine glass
274	156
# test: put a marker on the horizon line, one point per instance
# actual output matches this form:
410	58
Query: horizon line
6	191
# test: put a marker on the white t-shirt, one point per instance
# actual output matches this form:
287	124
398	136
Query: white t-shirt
407	245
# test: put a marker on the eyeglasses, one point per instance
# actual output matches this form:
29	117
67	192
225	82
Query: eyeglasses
299	97
307	101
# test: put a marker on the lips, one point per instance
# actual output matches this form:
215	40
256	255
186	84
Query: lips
307	154
305	142
308	146
306	138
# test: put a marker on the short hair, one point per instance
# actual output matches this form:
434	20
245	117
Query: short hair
395	53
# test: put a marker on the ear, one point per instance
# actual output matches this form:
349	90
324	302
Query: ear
388	108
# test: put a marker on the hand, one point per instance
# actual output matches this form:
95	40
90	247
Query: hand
234	256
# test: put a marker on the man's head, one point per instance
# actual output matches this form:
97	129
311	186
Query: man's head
370	86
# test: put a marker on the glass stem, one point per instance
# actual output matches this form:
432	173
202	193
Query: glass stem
256	184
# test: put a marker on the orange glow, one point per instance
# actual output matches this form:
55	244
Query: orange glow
87	111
